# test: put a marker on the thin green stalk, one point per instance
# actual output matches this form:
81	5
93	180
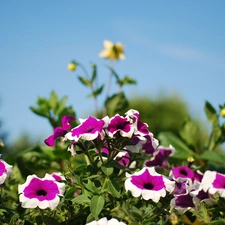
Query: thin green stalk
42	216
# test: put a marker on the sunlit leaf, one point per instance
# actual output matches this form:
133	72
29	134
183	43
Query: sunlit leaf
182	150
96	205
116	104
85	81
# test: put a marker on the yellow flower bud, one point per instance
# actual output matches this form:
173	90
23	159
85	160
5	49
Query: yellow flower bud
72	66
222	112
190	159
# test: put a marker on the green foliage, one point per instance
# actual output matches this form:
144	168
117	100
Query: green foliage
53	108
161	113
116	104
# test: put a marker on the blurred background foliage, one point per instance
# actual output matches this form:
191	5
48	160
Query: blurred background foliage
162	113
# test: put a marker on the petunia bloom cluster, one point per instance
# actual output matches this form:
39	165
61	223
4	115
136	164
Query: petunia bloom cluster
123	139
193	187
114	135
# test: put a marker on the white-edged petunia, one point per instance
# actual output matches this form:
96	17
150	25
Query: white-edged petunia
104	221
5	171
120	125
148	184
89	129
181	173
58	176
213	182
60	131
40	192
182	203
160	156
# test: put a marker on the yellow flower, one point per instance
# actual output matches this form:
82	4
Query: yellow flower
112	51
72	66
222	112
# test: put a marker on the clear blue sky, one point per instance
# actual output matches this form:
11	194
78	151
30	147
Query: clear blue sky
171	46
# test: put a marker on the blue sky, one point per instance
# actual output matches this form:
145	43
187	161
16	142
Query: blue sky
171	46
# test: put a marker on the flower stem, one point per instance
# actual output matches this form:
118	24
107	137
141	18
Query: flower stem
42	216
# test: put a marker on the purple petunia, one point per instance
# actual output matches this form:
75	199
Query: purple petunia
60	131
5	171
160	156
182	203
148	184
40	192
89	129
180	173
213	182
120	125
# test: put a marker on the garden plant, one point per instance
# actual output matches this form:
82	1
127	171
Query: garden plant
109	168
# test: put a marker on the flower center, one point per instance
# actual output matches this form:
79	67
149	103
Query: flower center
41	192
184	172
148	186
89	130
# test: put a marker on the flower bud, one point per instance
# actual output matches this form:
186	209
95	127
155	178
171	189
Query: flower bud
72	66
222	112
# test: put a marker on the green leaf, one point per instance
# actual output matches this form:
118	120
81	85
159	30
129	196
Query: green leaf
213	156
53	100
94	73
114	188
116	104
85	81
107	170
114	73
210	112
182	150
81	199
189	133
51	221
79	168
91	186
96	205
39	112
127	80
70	192
61	105
96	92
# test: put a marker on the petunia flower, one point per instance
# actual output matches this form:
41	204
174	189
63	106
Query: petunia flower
112	51
182	203
160	156
104	221
140	128
58	176
181	188
5	171
123	159
119	125
213	182
60	131
150	145
136	145
40	192
180	173
89	129
148	184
